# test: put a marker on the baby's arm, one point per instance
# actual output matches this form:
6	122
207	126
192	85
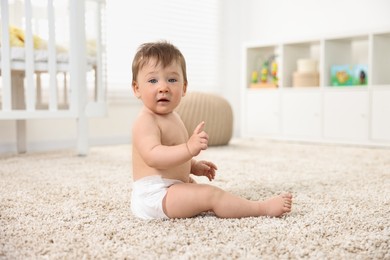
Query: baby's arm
203	168
147	139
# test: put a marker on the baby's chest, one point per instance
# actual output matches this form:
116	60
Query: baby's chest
174	133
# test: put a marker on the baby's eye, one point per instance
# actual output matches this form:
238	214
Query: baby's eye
153	81
172	80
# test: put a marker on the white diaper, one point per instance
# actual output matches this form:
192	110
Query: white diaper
147	196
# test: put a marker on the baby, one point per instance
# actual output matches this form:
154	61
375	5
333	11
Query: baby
163	151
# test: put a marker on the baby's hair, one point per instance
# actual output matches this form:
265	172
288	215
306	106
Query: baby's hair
164	53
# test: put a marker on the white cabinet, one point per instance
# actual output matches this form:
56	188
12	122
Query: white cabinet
262	110
346	115
301	113
357	112
380	130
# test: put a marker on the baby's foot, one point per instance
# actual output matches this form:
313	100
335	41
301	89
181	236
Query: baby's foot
276	206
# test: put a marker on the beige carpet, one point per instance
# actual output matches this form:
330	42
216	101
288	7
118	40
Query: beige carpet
56	205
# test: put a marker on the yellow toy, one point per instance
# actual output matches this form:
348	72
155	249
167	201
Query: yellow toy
255	77
264	72
17	38
274	72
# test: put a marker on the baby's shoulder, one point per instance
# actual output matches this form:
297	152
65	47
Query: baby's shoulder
145	120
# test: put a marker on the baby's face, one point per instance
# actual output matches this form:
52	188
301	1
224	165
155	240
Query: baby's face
160	89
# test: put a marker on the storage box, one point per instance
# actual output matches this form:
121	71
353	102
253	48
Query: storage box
306	79
307	65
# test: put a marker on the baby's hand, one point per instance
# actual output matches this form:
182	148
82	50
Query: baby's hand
198	141
204	168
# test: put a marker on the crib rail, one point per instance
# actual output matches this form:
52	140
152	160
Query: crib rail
23	103
21	80
5	61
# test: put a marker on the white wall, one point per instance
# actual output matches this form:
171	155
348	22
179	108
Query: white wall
240	21
284	19
190	25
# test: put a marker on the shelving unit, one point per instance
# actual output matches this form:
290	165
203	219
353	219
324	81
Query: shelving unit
354	114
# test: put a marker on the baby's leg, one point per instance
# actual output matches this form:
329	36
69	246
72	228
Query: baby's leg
188	200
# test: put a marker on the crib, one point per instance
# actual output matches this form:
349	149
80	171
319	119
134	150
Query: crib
43	77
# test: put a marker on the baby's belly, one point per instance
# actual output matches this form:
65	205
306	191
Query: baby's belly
181	172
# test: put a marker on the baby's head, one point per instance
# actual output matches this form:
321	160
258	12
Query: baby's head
162	52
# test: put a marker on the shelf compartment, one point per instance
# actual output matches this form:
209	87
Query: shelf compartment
297	51
255	57
349	51
380	59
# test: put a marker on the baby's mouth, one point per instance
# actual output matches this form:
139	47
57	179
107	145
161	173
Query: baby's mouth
163	100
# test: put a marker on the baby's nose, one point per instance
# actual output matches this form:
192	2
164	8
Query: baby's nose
163	89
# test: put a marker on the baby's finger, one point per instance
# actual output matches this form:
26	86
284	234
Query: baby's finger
211	165
205	167
204	135
199	128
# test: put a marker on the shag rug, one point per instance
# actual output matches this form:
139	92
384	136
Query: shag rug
56	205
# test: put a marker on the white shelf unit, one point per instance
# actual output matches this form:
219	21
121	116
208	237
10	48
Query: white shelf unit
324	113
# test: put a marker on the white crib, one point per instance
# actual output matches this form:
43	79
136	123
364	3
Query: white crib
51	82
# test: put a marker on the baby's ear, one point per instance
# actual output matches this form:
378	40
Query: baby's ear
184	89
136	89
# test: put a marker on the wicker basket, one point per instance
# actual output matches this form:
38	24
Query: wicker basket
306	79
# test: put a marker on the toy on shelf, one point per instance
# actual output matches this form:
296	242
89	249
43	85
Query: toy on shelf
255	77
360	75
349	75
341	75
264	72
274	72
268	74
